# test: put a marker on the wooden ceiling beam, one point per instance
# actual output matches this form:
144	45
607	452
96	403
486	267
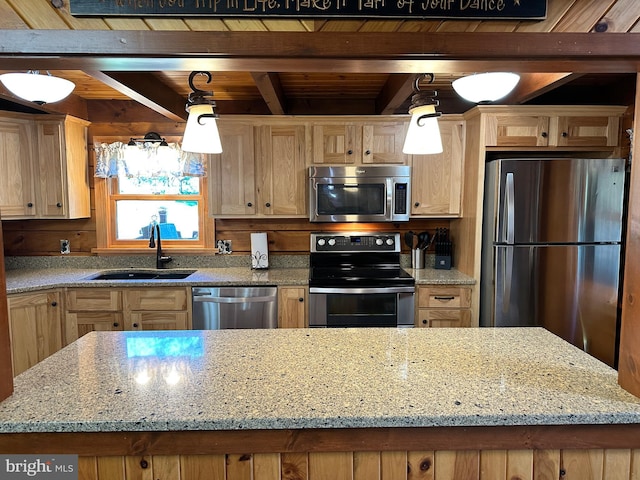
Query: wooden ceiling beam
270	88
147	90
533	85
394	93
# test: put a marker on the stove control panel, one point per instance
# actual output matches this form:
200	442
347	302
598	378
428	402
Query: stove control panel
355	242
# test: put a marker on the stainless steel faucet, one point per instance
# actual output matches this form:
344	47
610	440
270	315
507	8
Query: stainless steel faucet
161	259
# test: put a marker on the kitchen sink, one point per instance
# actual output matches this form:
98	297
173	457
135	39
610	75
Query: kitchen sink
141	275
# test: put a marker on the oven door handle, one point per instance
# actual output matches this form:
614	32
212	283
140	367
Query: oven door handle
364	290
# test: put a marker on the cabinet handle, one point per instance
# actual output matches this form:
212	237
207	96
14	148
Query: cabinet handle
116	324
135	325
54	304
544	134
417	204
59	205
301	299
368	152
444	299
267	205
30	204
249	204
349	152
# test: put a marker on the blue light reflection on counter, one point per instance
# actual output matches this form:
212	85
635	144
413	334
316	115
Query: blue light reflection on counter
162	356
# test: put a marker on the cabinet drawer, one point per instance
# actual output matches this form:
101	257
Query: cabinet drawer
434	318
157	299
444	297
94	300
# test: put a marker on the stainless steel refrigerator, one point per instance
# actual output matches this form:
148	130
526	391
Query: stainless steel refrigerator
551	248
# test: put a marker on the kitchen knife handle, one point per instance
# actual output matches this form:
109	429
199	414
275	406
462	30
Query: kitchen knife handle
509	212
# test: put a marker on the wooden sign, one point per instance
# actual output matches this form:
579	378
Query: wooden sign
409	9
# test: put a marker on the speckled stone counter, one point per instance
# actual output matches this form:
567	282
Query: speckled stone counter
315	378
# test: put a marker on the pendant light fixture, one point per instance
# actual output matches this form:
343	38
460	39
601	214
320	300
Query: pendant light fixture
423	136
486	87
36	88
201	133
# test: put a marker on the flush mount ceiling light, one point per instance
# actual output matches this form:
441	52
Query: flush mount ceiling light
423	136
36	88
201	133
486	87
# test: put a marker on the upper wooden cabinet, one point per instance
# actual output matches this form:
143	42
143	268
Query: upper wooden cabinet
571	126
358	142
436	180
45	167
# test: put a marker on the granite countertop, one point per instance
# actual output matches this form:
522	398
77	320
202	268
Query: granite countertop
26	280
315	378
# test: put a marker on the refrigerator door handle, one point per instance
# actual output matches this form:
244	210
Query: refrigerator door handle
508	278
509	207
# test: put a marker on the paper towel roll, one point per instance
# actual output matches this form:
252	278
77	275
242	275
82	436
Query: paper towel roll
259	250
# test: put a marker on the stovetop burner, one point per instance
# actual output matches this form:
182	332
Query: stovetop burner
357	259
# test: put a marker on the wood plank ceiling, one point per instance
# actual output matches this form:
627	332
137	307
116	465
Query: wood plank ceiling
300	92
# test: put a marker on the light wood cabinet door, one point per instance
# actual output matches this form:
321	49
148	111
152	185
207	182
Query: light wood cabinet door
511	130
17	197
434	318
78	324
383	142
232	187
157	320
436	180
92	309
156	299
292	307
587	131
35	327
280	170
63	169
336	144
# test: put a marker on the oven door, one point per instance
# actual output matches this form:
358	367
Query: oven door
361	307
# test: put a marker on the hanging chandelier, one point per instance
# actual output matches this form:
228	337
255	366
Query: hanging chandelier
423	136
201	133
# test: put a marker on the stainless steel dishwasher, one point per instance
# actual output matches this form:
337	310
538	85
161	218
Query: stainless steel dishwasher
217	308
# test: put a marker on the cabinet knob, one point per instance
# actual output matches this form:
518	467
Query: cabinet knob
54	304
59	205
144	464
349	152
544	134
565	134
301	299
249	204
368	152
424	322
116	324
30	204
267	205
417	204
135	325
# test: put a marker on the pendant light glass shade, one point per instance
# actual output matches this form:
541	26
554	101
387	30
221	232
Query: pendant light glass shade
423	136
201	133
486	87
37	88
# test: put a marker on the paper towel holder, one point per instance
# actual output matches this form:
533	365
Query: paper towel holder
259	251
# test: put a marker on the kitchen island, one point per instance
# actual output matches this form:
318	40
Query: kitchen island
327	404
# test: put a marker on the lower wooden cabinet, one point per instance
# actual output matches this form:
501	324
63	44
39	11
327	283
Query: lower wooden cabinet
292	307
35	327
443	306
104	309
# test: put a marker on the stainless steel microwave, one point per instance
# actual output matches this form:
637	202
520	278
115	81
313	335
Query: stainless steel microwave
377	193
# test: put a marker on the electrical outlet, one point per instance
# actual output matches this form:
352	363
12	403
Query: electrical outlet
65	247
224	246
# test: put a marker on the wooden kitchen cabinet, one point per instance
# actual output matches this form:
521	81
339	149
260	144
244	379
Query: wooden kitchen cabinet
35	327
443	306
292	307
281	178
555	127
436	180
44	165
357	142
232	185
107	309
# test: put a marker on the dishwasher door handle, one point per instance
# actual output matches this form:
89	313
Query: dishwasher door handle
207	299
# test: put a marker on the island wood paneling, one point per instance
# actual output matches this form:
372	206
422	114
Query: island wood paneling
6	374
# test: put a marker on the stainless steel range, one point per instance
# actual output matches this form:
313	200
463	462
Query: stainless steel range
356	281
